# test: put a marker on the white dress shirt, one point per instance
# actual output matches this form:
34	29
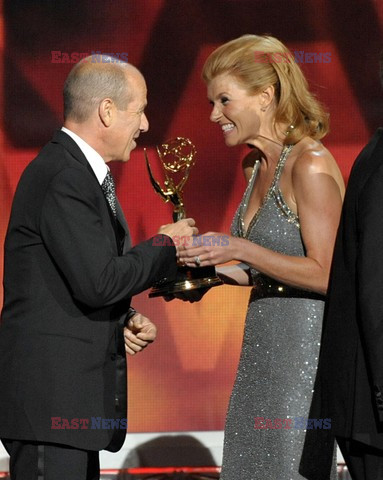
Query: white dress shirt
95	160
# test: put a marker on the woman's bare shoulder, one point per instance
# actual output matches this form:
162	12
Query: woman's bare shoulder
312	158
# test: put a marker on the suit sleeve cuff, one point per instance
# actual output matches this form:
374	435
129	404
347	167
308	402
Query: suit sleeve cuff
168	272
378	395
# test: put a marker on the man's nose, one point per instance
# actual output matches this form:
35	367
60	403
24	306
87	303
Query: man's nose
144	126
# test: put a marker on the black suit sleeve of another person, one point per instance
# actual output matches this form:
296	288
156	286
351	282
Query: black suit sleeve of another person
77	231
370	278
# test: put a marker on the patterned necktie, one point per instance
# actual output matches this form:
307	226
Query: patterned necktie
110	192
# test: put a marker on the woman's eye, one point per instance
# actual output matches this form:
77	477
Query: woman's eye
224	100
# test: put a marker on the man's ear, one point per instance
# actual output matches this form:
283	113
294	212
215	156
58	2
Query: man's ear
106	111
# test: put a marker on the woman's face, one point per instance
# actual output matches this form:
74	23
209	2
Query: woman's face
235	110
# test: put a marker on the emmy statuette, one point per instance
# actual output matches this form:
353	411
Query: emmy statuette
177	157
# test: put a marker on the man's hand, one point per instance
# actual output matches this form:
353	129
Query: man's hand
179	231
139	332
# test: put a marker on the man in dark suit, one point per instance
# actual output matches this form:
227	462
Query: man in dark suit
69	276
349	384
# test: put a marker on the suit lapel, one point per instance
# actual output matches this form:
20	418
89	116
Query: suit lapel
123	230
120	226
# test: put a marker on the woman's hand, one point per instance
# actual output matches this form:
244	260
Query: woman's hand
212	248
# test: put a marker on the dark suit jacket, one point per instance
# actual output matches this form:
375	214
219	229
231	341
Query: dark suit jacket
69	275
349	383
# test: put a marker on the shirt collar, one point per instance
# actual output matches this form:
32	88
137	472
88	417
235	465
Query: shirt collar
95	160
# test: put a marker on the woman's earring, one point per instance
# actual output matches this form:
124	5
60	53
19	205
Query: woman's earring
263	109
290	129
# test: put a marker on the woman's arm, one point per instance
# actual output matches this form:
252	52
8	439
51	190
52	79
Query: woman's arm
238	274
318	191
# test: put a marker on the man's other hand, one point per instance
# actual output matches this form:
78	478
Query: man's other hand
139	332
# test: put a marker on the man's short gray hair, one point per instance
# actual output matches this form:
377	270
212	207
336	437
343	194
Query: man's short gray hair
92	80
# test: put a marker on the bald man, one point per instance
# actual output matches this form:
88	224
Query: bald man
70	272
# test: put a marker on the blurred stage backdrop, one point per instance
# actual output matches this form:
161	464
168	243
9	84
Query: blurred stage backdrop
183	381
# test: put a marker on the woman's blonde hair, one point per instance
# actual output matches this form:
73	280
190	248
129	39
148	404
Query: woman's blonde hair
260	61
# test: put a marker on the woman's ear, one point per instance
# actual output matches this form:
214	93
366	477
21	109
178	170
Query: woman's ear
267	96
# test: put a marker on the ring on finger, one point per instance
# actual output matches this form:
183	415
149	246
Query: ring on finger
197	261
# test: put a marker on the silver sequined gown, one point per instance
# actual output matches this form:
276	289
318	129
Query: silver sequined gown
279	354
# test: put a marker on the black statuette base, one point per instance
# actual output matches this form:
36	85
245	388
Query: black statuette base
187	279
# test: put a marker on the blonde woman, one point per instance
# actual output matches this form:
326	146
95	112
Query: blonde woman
283	235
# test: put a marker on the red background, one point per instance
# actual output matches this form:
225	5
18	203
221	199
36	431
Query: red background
183	381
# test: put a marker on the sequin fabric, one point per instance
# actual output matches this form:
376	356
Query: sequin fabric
280	349
110	192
